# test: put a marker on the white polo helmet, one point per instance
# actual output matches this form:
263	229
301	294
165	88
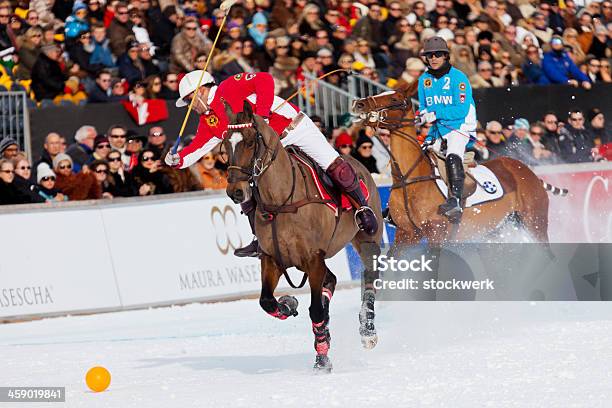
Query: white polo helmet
189	83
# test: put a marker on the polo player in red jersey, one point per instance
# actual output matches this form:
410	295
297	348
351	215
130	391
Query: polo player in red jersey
295	128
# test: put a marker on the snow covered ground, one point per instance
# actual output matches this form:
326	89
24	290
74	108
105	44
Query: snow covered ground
470	354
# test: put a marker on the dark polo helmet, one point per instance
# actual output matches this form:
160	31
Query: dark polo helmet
434	44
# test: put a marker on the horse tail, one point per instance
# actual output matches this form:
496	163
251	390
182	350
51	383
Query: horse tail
554	190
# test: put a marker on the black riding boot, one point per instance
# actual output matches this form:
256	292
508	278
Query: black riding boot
252	249
345	178
454	171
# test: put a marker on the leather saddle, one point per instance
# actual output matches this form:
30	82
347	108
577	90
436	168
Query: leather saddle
320	177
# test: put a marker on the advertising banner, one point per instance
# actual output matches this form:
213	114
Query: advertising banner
55	261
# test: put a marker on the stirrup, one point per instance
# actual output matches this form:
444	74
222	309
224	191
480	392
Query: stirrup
359	211
250	250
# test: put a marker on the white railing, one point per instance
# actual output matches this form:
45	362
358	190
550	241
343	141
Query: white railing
14	119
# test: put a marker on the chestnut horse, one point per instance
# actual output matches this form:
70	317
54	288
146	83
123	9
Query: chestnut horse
415	198
296	228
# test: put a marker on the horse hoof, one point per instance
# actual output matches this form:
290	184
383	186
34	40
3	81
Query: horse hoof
288	305
369	342
322	365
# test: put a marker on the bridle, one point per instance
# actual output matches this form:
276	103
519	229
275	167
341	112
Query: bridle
260	163
378	117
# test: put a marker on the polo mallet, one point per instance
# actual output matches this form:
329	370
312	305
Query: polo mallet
225	7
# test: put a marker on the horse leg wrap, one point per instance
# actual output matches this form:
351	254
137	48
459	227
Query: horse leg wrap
366	314
322	336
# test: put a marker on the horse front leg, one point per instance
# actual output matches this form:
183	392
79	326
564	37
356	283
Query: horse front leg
286	306
367	251
321	291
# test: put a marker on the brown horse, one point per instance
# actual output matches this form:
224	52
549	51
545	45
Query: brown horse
415	198
295	227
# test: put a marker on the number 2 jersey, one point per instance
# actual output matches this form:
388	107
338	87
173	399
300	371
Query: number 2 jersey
450	97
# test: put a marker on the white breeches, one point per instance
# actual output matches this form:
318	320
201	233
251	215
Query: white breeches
309	138
455	143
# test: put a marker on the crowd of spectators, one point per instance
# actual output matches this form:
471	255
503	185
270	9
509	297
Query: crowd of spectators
118	163
73	51
122	163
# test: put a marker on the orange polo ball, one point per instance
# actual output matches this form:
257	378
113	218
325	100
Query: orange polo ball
98	379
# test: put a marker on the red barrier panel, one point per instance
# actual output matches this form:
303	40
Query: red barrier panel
585	214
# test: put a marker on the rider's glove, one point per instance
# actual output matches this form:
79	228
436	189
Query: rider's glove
429	140
429	117
172	159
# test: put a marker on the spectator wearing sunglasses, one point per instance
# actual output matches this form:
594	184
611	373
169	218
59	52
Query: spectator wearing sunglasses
9	194
23	181
575	140
121	182
81	186
169	89
101	148
100	170
363	152
46	184
147	173
117	137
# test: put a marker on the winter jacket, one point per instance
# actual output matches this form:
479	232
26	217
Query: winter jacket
368	162
97	95
74	26
27	189
534	73
80	154
158	181
129	69
47	78
184	51
10	194
575	145
102	54
81	56
211	179
559	68
118	35
120	186
27	59
79	186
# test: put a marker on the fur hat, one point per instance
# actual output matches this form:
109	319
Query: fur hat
286	63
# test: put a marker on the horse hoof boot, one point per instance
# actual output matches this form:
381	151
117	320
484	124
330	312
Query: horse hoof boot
251	250
322	365
288	305
367	330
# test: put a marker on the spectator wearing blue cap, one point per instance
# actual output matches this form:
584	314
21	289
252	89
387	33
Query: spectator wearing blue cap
517	144
559	67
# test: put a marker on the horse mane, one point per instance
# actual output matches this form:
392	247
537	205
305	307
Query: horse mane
409	89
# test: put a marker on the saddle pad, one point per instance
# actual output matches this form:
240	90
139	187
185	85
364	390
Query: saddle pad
332	205
488	186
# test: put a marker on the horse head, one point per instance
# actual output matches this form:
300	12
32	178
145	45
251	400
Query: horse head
246	145
388	110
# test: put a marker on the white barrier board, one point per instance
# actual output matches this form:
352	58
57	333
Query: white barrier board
54	261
